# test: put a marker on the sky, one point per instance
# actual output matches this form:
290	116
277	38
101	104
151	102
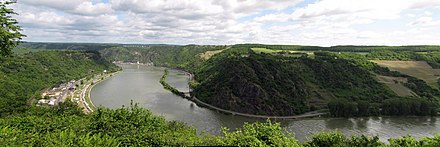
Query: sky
218	22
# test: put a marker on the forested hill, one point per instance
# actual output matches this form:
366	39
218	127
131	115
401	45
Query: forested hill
283	79
24	75
185	57
243	81
65	46
345	48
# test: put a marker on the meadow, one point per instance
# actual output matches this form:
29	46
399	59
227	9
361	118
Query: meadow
396	84
418	69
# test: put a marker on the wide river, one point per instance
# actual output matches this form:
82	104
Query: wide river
141	84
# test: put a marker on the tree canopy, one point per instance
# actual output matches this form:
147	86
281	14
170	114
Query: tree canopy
10	33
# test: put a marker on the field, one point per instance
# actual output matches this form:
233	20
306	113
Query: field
206	55
396	85
264	50
418	69
290	52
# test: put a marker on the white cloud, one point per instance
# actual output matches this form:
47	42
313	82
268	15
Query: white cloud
425	21
324	22
420	4
87	8
81	7
351	12
56	4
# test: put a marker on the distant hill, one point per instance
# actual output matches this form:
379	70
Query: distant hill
80	46
346	48
183	57
65	46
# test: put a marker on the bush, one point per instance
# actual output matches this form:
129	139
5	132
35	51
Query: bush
259	134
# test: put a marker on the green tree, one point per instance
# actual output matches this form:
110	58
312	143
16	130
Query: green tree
10	33
342	108
259	134
363	108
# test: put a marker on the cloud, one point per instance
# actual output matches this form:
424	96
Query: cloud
425	21
359	11
56	4
80	7
323	22
420	4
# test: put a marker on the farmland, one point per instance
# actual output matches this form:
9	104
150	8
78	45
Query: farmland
419	69
288	53
396	85
265	50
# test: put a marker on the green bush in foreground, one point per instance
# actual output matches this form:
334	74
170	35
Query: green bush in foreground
259	134
133	126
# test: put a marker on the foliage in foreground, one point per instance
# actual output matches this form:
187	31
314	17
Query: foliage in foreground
69	127
10	32
66	125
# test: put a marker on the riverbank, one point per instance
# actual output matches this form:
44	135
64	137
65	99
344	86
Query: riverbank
169	87
141	85
103	78
84	100
187	95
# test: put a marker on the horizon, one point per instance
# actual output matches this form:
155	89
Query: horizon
287	22
224	44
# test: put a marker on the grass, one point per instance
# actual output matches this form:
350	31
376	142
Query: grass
418	69
208	54
396	85
264	50
292	53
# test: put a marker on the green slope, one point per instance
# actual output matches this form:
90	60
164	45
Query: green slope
24	75
185	57
276	85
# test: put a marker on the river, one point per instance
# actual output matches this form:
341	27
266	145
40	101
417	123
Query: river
141	84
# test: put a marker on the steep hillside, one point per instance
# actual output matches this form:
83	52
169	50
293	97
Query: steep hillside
186	57
23	76
242	81
65	46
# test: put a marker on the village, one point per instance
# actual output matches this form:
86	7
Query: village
59	94
133	63
76	91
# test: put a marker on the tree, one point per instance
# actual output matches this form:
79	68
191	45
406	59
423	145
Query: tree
363	108
10	30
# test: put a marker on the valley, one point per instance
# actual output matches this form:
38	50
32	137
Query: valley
237	80
263	73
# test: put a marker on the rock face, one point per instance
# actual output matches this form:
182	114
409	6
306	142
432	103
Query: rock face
249	85
275	85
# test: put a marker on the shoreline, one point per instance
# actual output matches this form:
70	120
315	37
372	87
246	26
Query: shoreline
88	103
311	114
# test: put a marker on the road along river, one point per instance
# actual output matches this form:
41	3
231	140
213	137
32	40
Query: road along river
140	83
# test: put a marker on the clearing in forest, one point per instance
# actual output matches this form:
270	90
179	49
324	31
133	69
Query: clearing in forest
208	54
289	53
396	85
418	69
264	50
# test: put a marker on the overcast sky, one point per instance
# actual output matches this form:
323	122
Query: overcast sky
301	22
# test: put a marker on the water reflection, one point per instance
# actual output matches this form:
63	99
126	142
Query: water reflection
335	123
141	84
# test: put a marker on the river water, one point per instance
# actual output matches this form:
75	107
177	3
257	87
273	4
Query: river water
141	84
